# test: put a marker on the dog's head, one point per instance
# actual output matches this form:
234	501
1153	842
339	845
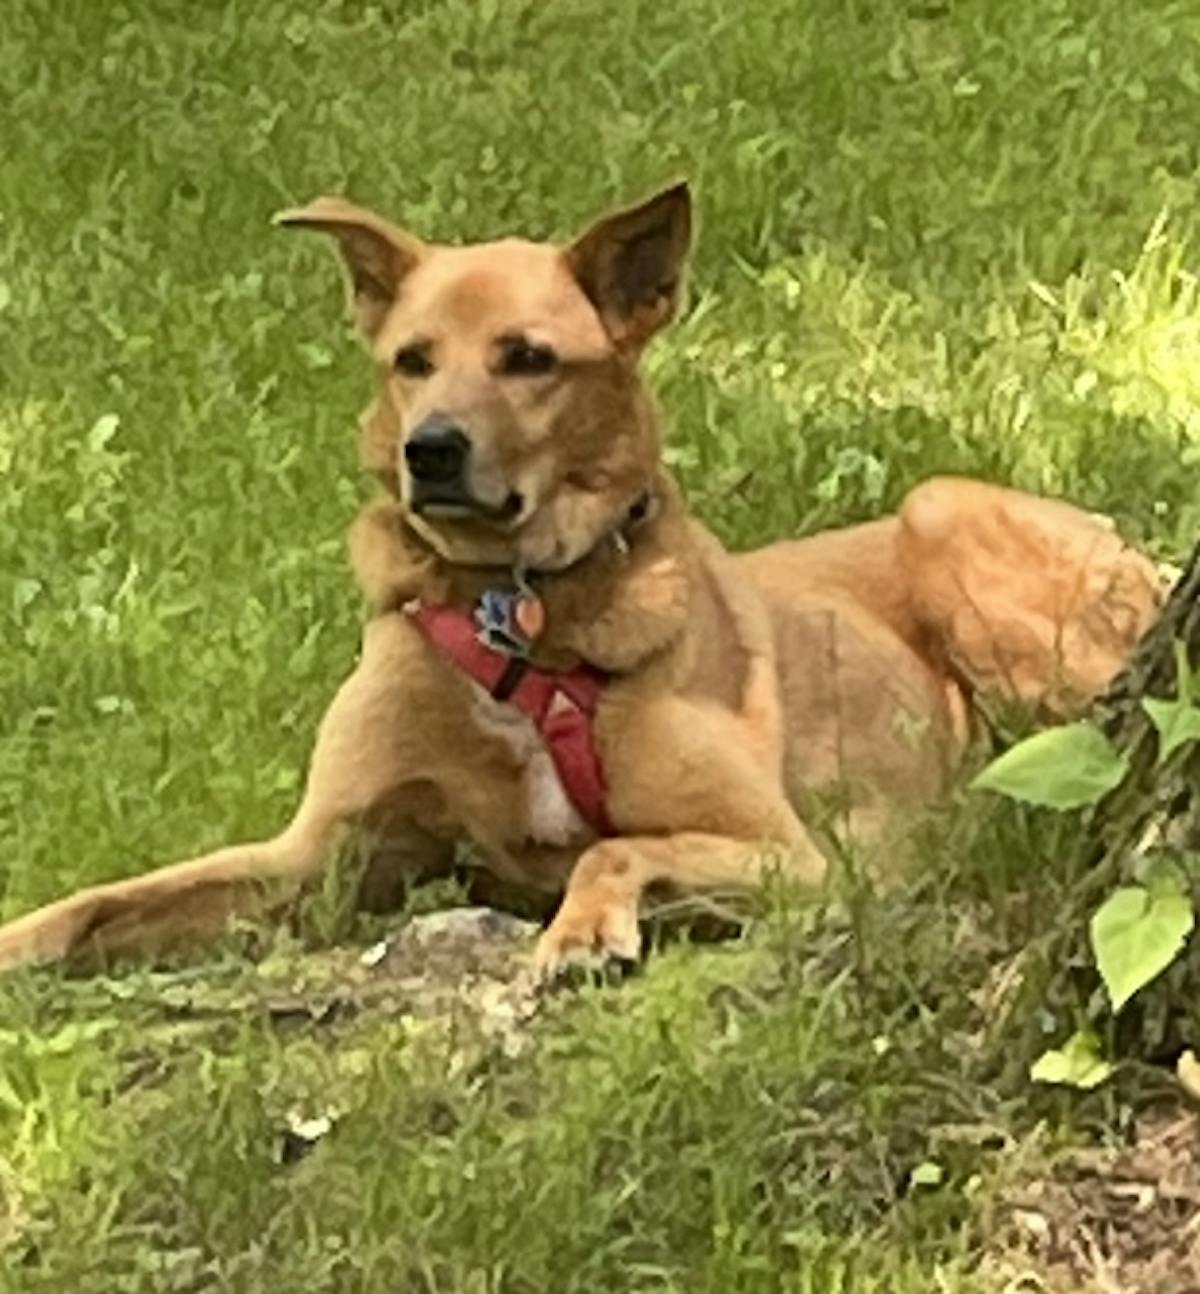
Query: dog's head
511	420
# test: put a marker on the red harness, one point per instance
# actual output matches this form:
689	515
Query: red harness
562	706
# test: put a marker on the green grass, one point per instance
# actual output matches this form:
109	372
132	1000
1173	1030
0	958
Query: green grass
936	236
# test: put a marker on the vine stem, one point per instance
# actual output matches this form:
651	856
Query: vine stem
1150	796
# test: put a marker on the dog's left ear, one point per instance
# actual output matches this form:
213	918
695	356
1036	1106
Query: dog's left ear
630	265
378	255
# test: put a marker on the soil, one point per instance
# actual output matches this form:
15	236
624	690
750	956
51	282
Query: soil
1121	1220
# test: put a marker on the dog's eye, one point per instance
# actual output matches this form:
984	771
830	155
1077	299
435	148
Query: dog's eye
413	361
524	359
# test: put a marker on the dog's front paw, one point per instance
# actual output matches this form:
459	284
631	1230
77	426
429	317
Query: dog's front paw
589	926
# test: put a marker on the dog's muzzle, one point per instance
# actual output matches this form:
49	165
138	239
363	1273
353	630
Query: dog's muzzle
438	456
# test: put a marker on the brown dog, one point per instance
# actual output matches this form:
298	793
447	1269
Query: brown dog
568	670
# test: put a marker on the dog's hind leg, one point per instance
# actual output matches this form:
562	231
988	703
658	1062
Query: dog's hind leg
1027	598
363	760
146	915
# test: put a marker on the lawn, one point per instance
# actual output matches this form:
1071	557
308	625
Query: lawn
947	235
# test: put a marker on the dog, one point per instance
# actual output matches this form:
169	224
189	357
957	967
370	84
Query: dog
565	668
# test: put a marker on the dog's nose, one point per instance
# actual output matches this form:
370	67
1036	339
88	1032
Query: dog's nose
436	452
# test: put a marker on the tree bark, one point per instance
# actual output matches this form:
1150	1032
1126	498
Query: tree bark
1153	800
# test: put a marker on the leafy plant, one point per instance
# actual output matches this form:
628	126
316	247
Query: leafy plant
1140	928
1077	1064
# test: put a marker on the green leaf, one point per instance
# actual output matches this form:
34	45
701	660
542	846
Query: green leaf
1078	1064
1136	934
1178	720
1177	724
927	1174
1062	768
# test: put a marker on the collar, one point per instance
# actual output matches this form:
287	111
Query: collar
561	705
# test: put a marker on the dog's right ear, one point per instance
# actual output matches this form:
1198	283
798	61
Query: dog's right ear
378	255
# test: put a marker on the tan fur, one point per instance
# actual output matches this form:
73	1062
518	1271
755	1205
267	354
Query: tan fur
741	683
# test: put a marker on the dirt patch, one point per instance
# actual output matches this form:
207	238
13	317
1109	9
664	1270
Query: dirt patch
1114	1221
469	966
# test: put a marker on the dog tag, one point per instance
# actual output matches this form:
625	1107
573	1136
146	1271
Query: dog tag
509	620
530	616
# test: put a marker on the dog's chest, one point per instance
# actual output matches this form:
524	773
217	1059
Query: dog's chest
551	818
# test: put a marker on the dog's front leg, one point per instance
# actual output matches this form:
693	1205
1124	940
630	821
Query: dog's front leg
365	755
599	911
698	789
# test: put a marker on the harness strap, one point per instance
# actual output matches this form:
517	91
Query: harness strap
561	706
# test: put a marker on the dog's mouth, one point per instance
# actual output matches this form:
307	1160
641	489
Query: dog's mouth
436	503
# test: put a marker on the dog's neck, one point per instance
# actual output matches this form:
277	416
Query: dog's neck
618	536
625	598
460	583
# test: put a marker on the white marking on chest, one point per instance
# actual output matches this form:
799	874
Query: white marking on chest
552	818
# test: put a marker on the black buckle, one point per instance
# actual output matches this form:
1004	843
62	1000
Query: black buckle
514	671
